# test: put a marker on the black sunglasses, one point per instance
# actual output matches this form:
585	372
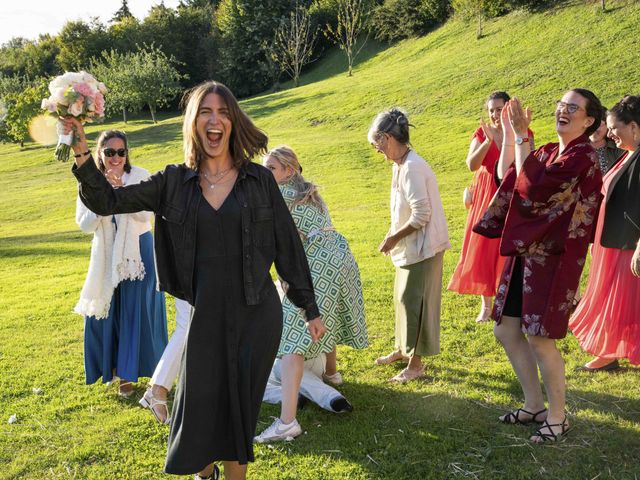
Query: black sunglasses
111	152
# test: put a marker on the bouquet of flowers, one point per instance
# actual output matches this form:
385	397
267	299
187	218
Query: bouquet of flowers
78	94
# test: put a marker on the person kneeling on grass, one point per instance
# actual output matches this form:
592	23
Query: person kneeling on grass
312	387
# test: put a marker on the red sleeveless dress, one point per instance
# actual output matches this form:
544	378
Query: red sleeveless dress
607	319
480	265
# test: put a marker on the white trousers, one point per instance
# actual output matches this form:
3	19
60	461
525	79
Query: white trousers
311	385
169	365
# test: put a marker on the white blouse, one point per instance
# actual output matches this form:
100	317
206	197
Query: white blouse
415	198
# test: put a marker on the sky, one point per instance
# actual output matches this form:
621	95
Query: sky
30	18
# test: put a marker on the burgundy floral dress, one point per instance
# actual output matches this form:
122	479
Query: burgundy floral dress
545	216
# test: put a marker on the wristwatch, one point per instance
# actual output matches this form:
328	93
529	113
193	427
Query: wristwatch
521	140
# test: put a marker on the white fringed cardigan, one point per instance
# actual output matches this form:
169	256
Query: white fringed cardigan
115	252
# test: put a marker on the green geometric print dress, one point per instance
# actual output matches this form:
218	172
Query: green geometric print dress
336	281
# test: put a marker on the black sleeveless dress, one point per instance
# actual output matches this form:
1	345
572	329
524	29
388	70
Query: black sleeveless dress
229	353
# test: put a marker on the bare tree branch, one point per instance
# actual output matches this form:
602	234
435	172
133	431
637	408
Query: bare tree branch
293	43
352	22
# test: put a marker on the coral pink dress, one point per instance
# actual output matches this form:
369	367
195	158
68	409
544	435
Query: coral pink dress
480	265
607	320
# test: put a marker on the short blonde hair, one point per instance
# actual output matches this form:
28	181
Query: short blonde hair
246	139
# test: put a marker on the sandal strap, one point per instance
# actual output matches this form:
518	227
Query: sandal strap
513	418
534	415
551	435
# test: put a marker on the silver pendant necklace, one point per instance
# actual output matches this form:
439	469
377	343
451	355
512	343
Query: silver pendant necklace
217	177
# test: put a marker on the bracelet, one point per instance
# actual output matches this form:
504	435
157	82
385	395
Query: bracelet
88	152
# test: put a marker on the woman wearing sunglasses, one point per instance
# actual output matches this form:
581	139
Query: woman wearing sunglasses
543	212
125	329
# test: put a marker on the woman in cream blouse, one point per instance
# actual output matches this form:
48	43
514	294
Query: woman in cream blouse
416	242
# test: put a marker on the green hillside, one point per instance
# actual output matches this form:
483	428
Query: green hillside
444	427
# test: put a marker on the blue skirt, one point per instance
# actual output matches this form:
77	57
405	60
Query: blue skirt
132	338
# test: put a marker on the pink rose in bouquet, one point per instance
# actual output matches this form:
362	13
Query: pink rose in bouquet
77	94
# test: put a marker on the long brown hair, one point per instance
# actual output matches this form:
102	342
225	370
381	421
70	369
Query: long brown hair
306	192
246	139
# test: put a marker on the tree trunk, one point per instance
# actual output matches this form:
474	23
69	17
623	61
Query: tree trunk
153	114
124	114
479	32
604	5
21	143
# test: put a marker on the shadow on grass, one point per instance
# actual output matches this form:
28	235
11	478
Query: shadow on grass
398	432
577	399
258	107
45	244
335	63
158	134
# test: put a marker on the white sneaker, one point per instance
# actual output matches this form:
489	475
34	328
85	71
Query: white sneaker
279	431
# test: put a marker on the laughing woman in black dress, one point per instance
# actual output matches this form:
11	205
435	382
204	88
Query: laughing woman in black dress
220	224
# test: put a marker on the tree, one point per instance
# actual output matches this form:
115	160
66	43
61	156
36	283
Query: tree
397	19
246	28
352	23
40	57
115	71
12	60
479	10
156	78
198	3
146	77
10	88
469	9
292	46
80	42
126	35
122	13
22	108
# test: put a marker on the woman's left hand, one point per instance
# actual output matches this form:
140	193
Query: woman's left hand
388	244
635	262
519	118
316	329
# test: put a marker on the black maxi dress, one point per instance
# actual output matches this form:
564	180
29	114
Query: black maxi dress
229	353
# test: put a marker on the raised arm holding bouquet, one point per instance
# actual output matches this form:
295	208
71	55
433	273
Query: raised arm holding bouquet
76	94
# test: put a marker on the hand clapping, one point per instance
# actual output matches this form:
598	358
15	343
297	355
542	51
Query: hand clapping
489	131
517	117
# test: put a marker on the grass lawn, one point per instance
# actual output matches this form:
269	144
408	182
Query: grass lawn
442	427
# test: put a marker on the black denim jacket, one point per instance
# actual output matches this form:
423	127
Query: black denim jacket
268	232
621	228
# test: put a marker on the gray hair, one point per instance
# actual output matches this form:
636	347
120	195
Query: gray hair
393	122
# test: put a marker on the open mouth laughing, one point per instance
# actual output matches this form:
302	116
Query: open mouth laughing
214	137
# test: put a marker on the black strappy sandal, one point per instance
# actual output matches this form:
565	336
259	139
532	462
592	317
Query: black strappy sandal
215	475
551	436
513	418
